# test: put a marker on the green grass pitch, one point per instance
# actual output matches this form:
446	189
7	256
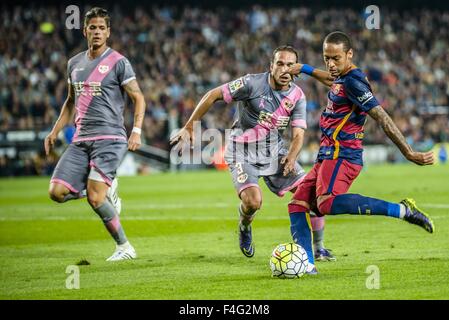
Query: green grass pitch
183	227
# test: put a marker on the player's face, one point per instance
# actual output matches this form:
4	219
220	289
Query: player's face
336	59
279	67
97	32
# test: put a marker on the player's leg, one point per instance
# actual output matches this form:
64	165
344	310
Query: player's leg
333	199
321	253
245	178
251	202
68	181
112	196
106	156
280	184
299	208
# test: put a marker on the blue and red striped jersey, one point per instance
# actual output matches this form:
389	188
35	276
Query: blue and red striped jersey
342	122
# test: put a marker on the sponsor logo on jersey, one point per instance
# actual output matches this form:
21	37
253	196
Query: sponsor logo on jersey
287	104
242	178
365	97
236	85
103	68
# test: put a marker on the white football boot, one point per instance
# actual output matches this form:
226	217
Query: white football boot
113	197
123	252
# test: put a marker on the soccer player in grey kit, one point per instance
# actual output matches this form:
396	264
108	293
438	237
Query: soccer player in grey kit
268	102
97	80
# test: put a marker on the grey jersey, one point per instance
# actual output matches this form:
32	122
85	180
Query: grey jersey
263	114
99	96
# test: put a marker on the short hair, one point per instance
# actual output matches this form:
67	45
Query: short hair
285	48
338	37
97	12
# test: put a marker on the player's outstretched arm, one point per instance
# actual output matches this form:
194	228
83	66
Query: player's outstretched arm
185	135
322	76
133	90
381	116
295	146
65	116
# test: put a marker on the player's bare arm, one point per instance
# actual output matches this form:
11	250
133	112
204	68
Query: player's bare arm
321	75
295	146
381	116
185	135
64	118
133	90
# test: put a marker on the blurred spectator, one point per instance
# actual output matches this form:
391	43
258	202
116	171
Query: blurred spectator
179	53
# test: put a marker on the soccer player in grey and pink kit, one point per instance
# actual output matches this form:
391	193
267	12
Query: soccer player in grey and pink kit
97	80
268	103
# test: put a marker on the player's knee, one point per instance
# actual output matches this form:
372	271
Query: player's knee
298	206
95	199
56	193
325	203
253	204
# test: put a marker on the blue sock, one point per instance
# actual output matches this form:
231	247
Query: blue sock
357	204
302	232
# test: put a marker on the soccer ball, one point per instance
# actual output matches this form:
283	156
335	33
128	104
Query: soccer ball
288	260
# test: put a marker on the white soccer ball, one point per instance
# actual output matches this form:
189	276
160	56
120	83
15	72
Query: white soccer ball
288	260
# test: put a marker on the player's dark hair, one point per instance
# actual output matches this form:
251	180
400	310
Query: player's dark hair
285	48
338	37
97	12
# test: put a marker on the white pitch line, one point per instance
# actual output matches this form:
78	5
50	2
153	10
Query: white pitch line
435	205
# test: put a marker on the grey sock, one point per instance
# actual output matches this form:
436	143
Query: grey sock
318	239
111	220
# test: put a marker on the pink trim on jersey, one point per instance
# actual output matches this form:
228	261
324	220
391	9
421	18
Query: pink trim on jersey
299	123
65	184
226	93
100	138
84	101
259	132
246	186
105	178
295	184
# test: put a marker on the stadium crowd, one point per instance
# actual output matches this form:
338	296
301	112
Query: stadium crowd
179	53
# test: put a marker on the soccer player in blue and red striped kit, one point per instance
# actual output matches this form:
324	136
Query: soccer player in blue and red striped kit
339	160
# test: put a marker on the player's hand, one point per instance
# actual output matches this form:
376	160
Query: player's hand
134	141
422	158
289	165
183	138
295	69
49	142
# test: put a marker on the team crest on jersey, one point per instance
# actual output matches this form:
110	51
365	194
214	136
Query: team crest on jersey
287	104
242	178
236	85
103	68
336	88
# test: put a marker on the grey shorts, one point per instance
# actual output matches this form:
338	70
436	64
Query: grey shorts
246	173
80	158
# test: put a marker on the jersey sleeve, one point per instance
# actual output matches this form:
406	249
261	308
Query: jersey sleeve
237	90
299	115
360	94
125	72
